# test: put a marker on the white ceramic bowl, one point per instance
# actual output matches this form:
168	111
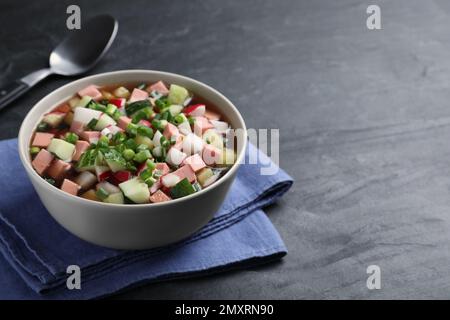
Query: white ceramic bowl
137	226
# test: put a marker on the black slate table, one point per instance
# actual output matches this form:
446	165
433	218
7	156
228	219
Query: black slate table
364	120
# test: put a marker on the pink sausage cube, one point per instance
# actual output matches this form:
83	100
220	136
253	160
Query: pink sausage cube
138	95
163	167
42	161
70	187
195	162
170	130
77	127
42	139
58	169
211	154
158	86
201	124
186	172
90	91
211	115
80	147
124	122
91	136
159	196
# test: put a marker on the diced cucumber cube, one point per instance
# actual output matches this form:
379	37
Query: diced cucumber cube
115	198
135	190
62	149
175	109
177	94
104	121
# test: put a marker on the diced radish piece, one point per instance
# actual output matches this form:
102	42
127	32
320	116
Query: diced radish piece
124	122
170	130
108	187
91	136
80	147
157	138
119	103
86	180
155	187
159	87
195	162
102	172
138	95
58	169
91	91
192	144
201	124
42	139
54	119
85	115
122	176
185	128
185	172
170	180
110	131
70	187
220	126
211	154
211	115
195	110
175	157
42	161
159	196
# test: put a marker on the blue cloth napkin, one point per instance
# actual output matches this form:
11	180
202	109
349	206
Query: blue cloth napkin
37	249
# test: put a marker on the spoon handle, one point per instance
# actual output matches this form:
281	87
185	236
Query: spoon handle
12	91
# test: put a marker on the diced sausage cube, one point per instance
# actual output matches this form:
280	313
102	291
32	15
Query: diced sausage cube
77	127
42	139
211	115
163	167
170	130
138	95
42	161
124	122
80	147
91	91
58	169
158	86
186	172
201	124
159	196
195	162
91	136
70	187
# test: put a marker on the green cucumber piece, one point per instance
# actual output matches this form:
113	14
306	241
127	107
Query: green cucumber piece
182	189
104	121
177	94
114	160
115	198
135	190
62	149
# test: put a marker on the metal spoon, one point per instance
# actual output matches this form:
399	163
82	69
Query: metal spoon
76	54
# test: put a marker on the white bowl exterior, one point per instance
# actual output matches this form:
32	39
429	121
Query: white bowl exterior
131	226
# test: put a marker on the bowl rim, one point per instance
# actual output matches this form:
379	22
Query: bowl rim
27	163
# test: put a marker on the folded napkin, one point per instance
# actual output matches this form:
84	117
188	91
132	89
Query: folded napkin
39	250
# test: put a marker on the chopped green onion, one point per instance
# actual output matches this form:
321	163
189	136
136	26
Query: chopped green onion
142	156
34	150
110	109
132	129
119	137
162	103
136	106
131	144
145	131
191	121
71	137
180	118
182	188
150	181
103	142
102	193
142	147
150	164
141	86
131	167
145	174
128	154
116	115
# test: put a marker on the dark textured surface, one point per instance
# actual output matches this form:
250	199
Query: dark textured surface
364	118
